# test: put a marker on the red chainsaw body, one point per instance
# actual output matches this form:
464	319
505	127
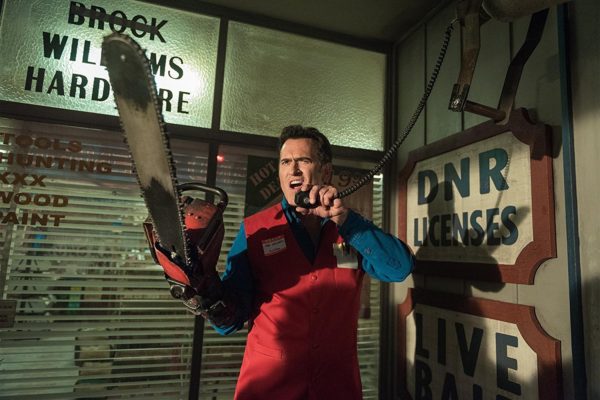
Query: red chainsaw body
204	232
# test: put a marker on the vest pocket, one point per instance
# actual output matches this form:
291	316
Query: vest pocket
267	351
346	278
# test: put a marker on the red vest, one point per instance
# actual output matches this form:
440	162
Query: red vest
302	344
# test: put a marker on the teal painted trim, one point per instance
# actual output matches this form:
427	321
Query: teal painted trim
572	218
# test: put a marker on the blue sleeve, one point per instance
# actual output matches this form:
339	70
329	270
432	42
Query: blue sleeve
385	257
238	282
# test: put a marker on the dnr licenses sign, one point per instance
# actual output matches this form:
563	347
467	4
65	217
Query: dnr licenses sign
479	204
453	347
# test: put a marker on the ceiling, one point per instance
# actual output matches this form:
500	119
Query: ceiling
386	20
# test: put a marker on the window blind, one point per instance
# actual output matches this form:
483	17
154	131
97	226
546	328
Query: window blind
94	316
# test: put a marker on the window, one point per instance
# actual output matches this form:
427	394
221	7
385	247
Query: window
274	79
93	312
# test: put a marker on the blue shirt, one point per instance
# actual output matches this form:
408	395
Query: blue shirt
384	257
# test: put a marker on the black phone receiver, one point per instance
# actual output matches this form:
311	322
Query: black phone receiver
302	199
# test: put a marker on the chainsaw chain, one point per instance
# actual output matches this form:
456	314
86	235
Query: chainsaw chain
149	78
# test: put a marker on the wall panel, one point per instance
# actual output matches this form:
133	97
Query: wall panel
585	42
539	91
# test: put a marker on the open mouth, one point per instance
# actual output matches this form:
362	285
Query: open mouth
295	183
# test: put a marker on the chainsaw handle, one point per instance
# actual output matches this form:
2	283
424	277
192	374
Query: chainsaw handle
224	199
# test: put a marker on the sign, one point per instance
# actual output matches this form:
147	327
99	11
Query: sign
51	55
479	204
262	184
453	347
30	193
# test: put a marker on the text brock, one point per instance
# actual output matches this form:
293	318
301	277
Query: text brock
117	20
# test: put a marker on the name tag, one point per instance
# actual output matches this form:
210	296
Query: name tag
345	256
273	245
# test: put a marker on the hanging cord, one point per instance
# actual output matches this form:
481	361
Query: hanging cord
411	123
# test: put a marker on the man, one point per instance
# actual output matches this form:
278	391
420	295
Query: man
295	275
302	303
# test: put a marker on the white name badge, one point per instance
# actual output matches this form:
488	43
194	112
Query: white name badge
345	256
273	245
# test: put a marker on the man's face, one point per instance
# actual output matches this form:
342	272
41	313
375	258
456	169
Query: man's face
299	164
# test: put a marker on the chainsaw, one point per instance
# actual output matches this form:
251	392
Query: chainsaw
184	234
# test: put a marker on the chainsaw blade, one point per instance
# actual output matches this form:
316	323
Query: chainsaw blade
145	134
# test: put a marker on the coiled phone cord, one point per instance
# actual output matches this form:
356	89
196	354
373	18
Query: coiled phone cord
411	123
302	198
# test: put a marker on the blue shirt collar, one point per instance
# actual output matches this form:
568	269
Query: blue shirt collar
292	216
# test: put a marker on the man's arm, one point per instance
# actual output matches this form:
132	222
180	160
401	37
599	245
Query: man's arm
385	257
238	286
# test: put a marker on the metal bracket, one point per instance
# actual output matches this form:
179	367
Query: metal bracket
471	18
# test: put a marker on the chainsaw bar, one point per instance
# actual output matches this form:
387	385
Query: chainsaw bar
146	136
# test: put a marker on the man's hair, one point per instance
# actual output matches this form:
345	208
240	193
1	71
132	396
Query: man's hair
301	132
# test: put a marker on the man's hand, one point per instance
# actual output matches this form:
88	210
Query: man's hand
330	207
